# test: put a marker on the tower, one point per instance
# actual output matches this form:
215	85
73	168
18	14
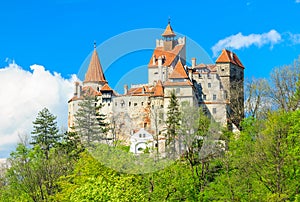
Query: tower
167	52
169	35
231	73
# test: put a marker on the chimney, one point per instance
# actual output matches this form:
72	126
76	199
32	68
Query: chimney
75	89
159	61
125	89
78	90
193	63
231	55
160	68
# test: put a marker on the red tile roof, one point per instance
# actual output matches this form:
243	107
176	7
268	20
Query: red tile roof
139	91
86	90
168	56
158	90
106	87
228	56
210	67
182	83
168	31
179	72
94	72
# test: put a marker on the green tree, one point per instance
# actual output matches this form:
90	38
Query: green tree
89	122
45	131
173	124
71	145
262	163
284	85
91	181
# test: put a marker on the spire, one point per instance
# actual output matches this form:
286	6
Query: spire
169	31
95	72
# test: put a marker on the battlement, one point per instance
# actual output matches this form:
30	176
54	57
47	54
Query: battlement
178	41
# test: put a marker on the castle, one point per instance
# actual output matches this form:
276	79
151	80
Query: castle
217	88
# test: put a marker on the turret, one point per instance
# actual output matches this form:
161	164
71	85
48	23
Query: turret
94	76
169	35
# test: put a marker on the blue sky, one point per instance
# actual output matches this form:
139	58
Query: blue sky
58	35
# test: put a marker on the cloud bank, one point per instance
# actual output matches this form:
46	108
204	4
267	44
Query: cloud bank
239	41
23	94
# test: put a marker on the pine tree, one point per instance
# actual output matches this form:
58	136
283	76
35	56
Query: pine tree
89	123
173	124
45	131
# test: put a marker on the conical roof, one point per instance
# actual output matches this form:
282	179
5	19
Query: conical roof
169	31
178	72
95	72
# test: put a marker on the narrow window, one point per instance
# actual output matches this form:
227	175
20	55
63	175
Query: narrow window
129	104
209	85
204	97
214	97
214	110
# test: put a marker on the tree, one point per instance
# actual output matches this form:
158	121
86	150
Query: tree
89	122
262	164
284	84
157	124
45	131
276	161
235	111
257	102
71	145
173	123
92	181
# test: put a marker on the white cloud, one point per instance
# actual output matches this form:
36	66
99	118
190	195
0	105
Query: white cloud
239	41
297	1
23	94
294	38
